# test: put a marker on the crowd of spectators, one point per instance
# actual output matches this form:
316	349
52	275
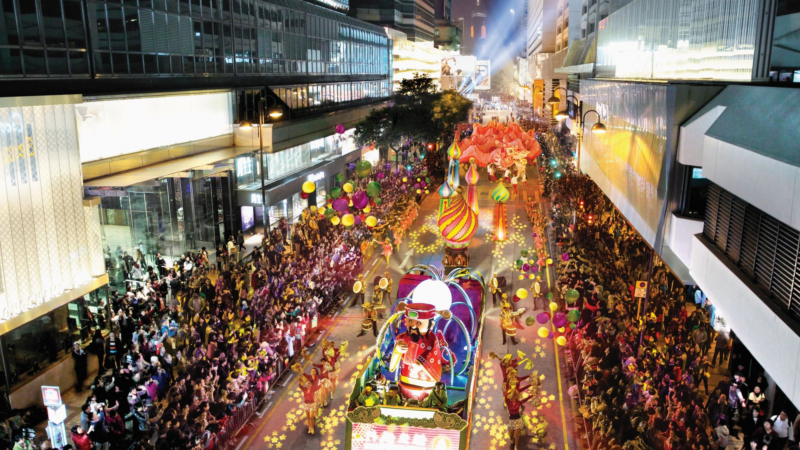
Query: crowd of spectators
194	347
645	384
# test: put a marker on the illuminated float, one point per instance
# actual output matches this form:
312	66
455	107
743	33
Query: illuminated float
472	185
500	196
432	336
457	223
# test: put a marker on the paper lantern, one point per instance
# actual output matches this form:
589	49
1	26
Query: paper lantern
374	189
336	193
559	319
360	199
542	318
553	306
543	332
454	152
561	340
335	220
348	187
363	168
458	223
500	193
340	204
371	221
573	315
571	296
522	293
309	187
348	220
565	256
529	321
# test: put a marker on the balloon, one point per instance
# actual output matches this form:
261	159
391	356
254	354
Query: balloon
340	204
520	262
573	315
371	221
309	187
542	317
562	329
366	209
405	180
549	294
522	277
380	175
348	220
572	326
336	193
565	256
363	168
340	129
304	195
515	299
360	199
427	180
358	220
532	276
322	210
427	192
335	220
419	192
377	201
549	261
347	187
339	177
559	319
522	293
374	189
553	306
543	332
561	340
534	269
526	267
571	296
313	208
524	253
535	234
329	212
550	335
529	321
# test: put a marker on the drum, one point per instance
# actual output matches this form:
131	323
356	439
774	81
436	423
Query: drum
384	283
366	324
357	287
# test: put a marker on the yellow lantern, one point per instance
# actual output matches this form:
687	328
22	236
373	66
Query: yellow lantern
367	209
543	332
348	187
561	340
335	220
553	306
522	293
321	211
348	220
309	187
371	221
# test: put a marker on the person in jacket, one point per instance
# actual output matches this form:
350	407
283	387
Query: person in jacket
80	438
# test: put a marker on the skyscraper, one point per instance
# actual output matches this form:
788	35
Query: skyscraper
415	18
475	36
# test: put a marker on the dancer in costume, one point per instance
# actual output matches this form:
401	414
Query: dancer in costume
331	356
370	321
508	319
309	385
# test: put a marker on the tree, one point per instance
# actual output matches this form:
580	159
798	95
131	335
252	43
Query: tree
418	87
395	125
449	109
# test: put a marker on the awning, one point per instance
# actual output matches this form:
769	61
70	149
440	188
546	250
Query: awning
165	169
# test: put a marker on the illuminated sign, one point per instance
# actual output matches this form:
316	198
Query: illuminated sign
51	395
244	166
256	199
371	436
316	176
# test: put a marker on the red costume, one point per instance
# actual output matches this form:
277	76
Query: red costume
421	364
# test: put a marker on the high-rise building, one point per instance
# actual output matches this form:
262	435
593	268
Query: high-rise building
120	126
414	18
474	37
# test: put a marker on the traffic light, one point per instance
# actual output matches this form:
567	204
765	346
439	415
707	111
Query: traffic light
589	219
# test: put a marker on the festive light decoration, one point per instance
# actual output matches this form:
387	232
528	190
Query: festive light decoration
458	223
309	187
500	222
472	178
452	170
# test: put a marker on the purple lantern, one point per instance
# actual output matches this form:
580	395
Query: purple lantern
380	175
542	318
559	319
565	256
340	129
357	220
341	205
526	267
360	199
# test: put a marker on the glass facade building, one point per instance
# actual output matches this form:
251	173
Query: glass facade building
82	38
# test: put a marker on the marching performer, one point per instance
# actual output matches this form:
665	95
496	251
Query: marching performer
494	285
310	387
330	355
360	288
370	321
514	402
508	319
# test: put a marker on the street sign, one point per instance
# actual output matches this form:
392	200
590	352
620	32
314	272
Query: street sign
640	290
51	395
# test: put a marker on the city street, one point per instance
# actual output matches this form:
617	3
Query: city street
282	424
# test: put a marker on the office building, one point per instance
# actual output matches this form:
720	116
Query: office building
415	18
122	122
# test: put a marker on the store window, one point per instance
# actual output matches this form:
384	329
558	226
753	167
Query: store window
38	344
695	193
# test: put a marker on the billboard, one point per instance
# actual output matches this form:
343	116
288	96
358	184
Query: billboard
457	71
483	75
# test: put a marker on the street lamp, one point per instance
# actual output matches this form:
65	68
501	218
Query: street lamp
597	128
245	124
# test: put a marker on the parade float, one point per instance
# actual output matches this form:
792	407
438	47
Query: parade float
429	346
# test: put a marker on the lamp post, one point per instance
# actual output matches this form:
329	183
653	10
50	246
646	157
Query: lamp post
273	113
597	128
